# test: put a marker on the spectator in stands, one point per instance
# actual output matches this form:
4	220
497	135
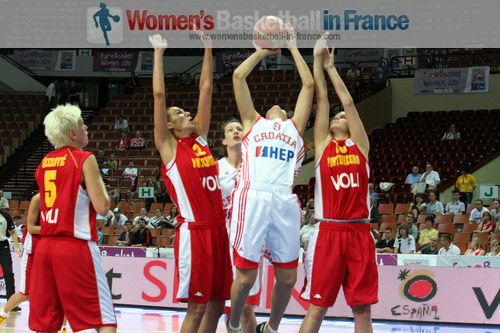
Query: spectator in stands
431	248
405	243
64	92
51	94
414	176
476	248
373	195
494	248
140	235
143	214
4	203
130	172
410	224
476	215
465	184
452	134
430	177
354	81
123	143
144	182
455	206
487	224
308	229
100	236
418	205
121	125
131	84
157	220
118	218
448	249
386	244
428	232
171	219
138	142
374	213
112	162
124	238
380	74
434	207
101	159
495	210
74	94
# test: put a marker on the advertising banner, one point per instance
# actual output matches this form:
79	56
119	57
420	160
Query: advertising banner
452	80
405	293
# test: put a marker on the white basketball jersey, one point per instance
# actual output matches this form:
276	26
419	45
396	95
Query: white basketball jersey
273	152
227	179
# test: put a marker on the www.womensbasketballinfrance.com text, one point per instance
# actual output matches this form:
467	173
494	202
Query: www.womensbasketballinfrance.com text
249	36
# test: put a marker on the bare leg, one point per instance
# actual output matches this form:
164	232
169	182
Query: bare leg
14	301
210	320
248	320
282	290
362	318
193	318
240	289
314	318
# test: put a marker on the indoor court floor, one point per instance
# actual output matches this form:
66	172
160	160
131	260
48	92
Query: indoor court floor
138	320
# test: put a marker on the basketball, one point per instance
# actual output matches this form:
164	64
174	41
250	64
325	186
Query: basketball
268	33
116	18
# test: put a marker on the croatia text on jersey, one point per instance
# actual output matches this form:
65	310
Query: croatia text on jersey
274	152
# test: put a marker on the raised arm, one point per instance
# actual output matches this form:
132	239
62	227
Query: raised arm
248	114
355	124
204	113
322	119
33	215
162	135
303	106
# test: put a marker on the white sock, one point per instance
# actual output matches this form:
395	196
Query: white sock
270	329
238	329
3	313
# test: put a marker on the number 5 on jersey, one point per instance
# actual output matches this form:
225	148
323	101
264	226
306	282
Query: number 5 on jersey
49	182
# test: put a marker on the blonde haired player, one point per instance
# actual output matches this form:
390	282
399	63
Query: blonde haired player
71	192
31	239
264	209
189	171
342	210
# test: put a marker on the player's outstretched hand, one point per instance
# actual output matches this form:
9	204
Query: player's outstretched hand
158	42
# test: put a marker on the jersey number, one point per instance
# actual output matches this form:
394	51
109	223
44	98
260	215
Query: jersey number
49	182
198	151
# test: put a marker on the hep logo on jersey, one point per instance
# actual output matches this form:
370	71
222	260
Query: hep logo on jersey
274	152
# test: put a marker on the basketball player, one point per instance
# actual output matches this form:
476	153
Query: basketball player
26	261
68	277
31	238
341	207
264	209
201	247
228	173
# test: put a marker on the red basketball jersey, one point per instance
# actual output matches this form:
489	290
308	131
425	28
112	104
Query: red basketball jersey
192	181
65	207
341	191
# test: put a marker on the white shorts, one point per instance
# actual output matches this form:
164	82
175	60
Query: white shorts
265	216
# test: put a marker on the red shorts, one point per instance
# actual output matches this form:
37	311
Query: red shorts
341	254
202	263
68	278
26	266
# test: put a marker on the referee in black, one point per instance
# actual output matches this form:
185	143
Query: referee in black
7	229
